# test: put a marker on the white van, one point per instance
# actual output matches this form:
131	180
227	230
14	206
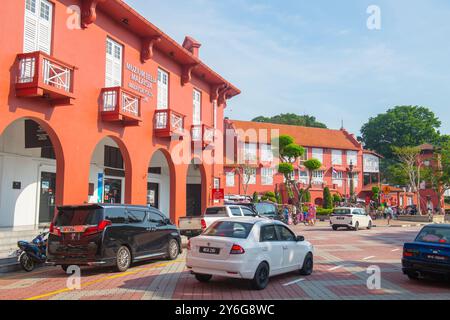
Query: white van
350	218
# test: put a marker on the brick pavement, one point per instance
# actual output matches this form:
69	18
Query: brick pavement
341	262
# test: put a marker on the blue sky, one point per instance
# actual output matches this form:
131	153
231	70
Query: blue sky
319	57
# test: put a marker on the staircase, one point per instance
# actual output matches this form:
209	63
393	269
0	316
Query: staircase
8	244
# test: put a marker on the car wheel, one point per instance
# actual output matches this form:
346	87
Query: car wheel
335	228
413	276
308	265
261	278
123	259
356	228
26	262
203	277
369	226
172	249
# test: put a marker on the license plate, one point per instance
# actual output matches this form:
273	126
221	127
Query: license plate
72	236
341	218
73	229
435	257
209	250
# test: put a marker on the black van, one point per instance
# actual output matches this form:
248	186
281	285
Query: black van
110	235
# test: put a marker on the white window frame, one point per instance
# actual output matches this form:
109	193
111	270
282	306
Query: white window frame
338	178
163	90
304	157
317	153
352	156
114	63
267	176
230	178
38	29
250	151
252	180
266	152
336	157
317	176
303	176
196	107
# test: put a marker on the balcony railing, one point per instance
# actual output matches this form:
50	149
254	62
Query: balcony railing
40	75
168	123
202	134
120	105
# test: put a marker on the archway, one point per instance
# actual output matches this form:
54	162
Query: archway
196	189
31	173
109	173
161	182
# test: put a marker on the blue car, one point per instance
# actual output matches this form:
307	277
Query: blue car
429	254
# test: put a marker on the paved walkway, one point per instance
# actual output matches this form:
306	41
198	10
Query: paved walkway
341	262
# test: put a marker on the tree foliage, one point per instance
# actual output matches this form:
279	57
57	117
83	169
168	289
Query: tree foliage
327	199
402	126
292	119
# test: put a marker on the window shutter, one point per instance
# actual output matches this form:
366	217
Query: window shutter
197	108
45	26
31	27
114	53
163	90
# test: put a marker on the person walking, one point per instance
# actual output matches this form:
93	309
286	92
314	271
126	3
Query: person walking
389	213
312	214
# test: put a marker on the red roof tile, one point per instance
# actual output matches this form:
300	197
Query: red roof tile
305	136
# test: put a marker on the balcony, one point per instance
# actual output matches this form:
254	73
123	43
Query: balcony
168	123
202	134
40	75
120	105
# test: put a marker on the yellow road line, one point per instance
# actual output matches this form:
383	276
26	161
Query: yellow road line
120	275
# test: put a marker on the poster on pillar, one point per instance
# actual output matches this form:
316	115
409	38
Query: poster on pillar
218	194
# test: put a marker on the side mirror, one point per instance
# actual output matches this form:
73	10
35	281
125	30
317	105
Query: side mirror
300	238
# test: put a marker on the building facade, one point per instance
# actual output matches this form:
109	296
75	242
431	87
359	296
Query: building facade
99	105
341	155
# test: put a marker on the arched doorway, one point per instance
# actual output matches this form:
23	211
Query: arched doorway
160	182
108	172
30	153
196	190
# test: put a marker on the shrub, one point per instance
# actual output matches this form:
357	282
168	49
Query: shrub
324	212
327	199
337	198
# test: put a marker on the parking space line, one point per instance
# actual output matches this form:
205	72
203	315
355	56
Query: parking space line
121	275
335	268
368	258
293	282
395	250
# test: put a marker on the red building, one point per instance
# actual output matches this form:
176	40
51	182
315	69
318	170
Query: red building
337	150
99	105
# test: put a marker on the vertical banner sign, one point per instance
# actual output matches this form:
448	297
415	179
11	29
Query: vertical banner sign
100	188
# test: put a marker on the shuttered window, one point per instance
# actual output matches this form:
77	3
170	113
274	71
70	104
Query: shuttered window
114	56
163	90
38	26
197	98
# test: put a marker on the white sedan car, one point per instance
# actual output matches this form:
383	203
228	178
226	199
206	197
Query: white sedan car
350	218
248	248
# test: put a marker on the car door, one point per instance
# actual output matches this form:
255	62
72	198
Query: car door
271	247
160	232
247	212
291	248
235	211
364	217
138	231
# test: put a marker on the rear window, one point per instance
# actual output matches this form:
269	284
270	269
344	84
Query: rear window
229	229
216	211
434	235
78	217
341	211
265	209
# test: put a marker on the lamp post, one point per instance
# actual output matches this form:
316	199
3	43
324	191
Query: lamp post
352	186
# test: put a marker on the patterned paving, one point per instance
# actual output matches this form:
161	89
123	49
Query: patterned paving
341	262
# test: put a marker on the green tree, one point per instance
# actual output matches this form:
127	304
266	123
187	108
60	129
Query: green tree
255	198
402	126
376	195
327	199
292	119
337	198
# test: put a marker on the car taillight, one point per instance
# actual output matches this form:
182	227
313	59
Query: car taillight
54	230
96	229
203	224
189	245
237	249
410	253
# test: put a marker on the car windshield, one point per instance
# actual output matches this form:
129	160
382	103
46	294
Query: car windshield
434	235
229	229
342	211
265	209
78	217
216	211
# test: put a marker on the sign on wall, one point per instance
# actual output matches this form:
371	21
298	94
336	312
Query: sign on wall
36	136
218	194
141	81
371	163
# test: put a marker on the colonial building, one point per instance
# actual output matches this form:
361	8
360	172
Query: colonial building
95	101
341	155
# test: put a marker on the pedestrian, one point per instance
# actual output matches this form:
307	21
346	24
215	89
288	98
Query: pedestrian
286	214
389	214
312	214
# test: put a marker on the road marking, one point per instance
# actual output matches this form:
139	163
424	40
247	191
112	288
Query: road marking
395	250
368	258
335	268
121	275
293	282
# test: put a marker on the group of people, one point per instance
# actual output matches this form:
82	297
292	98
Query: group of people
291	215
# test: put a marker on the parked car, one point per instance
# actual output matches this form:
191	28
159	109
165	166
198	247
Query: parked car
194	226
264	209
248	248
429	254
350	218
110	235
